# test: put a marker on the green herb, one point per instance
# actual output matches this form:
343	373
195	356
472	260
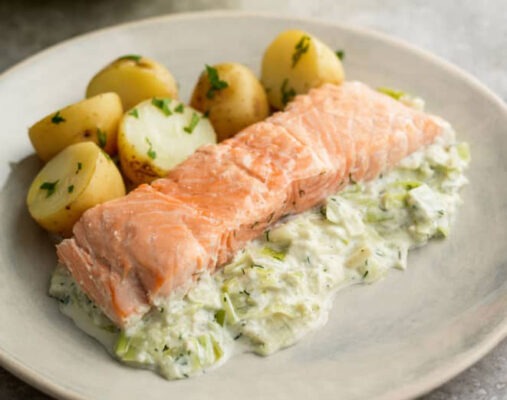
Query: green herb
70	188
287	93
162	105
257	266
244	291
102	138
278	255
365	274
131	57
238	336
179	108
215	82
57	118
395	94
50	187
340	54
193	123
301	48
151	153
267	235
206	114
134	113
220	317
79	167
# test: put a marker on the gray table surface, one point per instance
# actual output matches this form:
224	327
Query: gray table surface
470	33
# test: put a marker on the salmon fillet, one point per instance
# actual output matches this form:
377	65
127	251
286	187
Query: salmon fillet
129	253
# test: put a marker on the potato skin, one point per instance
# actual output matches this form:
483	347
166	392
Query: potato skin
240	104
136	168
95	119
134	79
98	180
294	63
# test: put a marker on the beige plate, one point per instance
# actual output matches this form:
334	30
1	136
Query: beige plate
395	339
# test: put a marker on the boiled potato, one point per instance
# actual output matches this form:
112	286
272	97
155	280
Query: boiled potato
157	135
232	98
294	63
134	78
76	179
95	119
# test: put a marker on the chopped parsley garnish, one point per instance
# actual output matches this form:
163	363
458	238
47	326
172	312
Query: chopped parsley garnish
151	153
365	274
102	138
180	108
257	266
287	93
162	105
57	118
70	189
131	57
134	113
79	167
193	123
50	187
301	48
395	94
214	81
340	54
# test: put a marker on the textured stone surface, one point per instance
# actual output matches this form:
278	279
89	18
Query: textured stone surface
470	33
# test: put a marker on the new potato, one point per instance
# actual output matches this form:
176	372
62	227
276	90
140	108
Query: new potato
232	100
294	63
157	135
134	78
78	178
95	119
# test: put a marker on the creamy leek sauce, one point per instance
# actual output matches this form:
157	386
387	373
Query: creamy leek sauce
281	285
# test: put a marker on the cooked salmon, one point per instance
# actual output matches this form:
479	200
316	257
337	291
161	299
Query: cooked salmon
129	253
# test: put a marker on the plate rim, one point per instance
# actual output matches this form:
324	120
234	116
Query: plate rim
430	381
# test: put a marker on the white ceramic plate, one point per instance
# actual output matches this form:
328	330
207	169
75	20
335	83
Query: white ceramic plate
395	339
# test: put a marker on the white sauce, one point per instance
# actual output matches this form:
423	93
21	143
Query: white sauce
281	286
